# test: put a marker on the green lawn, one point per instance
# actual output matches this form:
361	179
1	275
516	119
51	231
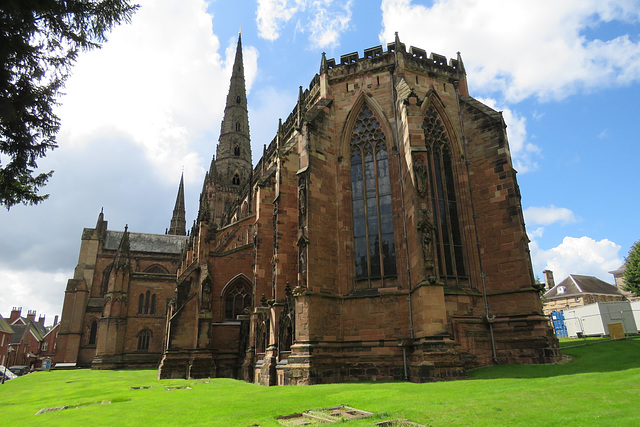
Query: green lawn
600	386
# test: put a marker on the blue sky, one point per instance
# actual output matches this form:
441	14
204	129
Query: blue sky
148	105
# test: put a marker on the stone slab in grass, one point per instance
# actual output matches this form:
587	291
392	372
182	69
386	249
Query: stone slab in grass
320	416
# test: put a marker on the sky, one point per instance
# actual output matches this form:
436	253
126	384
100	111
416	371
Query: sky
148	106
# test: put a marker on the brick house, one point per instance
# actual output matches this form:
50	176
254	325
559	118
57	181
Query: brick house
26	338
5	339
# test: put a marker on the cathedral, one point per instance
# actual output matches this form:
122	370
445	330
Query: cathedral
379	237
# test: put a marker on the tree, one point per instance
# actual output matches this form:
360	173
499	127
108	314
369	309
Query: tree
39	42
632	270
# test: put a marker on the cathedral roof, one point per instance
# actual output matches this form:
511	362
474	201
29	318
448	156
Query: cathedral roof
142	242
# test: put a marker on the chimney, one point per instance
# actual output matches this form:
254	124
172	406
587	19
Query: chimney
55	320
41	319
31	315
15	314
548	279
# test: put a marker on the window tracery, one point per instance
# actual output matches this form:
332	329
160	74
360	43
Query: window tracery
444	204
374	244
236	299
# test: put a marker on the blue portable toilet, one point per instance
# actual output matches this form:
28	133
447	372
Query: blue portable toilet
557	318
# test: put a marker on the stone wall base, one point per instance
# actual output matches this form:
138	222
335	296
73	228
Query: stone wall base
127	361
186	365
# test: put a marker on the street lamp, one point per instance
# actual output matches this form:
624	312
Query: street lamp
10	350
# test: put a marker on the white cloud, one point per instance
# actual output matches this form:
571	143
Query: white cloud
548	215
324	20
33	290
157	83
521	48
272	14
577	255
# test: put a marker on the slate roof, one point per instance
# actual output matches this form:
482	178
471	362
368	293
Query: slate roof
142	242
576	285
4	325
21	329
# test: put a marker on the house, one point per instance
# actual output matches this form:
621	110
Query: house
618	277
5	339
577	291
30	341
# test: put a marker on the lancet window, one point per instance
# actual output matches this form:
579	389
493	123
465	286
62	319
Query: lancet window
93	333
374	244
444	204
147	303
144	339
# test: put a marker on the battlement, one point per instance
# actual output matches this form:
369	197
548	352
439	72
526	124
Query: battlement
414	54
414	59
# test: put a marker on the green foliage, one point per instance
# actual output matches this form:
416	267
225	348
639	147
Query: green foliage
598	387
39	42
632	270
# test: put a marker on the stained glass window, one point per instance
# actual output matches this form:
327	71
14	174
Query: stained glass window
443	197
374	244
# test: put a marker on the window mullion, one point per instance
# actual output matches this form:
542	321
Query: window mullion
366	212
379	231
446	214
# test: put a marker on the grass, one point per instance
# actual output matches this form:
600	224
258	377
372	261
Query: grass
600	386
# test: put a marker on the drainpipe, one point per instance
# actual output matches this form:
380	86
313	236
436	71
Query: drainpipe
488	317
404	217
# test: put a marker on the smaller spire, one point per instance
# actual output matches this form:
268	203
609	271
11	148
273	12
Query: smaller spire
299	113
323	64
123	253
461	64
101	225
178	221
398	47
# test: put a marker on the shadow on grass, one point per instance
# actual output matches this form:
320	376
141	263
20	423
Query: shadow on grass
590	357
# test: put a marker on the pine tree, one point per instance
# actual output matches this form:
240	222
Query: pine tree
39	42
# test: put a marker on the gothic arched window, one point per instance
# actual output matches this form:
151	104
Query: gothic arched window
236	299
375	254
236	179
444	205
141	304
144	339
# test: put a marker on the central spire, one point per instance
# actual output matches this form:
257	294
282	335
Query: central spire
233	155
